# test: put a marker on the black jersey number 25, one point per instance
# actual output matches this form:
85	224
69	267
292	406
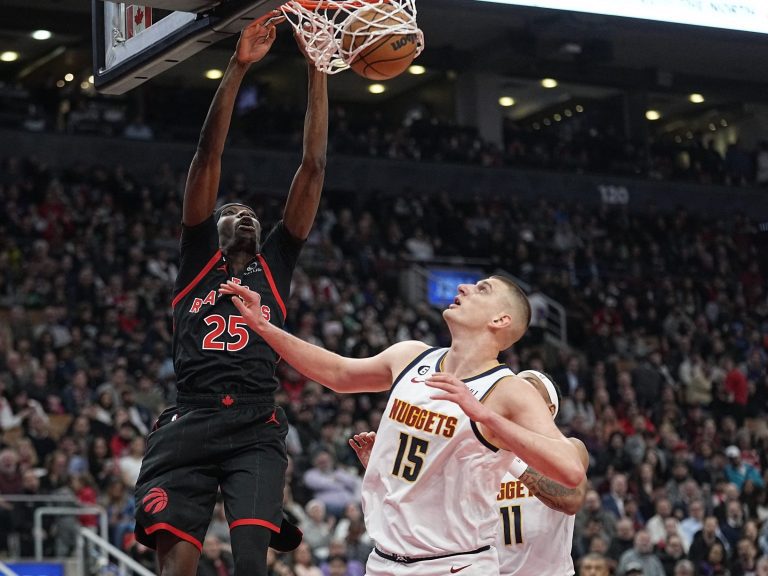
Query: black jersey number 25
235	326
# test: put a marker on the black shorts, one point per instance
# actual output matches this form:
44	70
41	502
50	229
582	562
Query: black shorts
236	443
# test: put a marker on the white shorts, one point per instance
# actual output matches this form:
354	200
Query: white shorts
484	563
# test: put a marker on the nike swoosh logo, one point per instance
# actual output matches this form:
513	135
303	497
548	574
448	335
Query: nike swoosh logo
454	570
419	380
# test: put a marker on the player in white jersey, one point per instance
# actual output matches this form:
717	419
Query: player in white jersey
429	492
534	534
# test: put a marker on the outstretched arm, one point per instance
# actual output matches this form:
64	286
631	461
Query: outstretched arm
304	195
556	496
205	171
515	418
333	371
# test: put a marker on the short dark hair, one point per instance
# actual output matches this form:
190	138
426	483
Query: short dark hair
220	209
519	294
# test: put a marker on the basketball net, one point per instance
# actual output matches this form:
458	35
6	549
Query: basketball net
321	27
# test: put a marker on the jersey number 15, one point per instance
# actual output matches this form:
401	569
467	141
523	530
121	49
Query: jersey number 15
410	457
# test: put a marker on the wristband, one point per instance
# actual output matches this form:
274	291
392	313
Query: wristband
518	467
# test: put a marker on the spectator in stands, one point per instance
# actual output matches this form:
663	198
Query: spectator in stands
737	471
577	405
640	558
656	524
715	562
614	500
671	553
692	523
744	561
215	559
338	549
317	528
684	568
761	568
333	486
732	526
593	510
10	475
130	464
704	540
594	565
338	566
24	514
623	540
303	563
119	504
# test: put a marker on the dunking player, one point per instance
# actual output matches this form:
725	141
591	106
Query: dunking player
429	492
226	431
536	519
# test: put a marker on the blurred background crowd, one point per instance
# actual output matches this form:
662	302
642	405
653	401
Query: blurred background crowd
591	141
664	378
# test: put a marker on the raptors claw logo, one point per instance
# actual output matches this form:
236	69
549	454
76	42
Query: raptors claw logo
155	501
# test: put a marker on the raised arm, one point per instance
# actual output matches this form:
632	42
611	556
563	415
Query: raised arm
205	171
515	418
333	371
304	195
556	496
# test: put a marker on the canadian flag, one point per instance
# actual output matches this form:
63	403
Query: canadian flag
137	18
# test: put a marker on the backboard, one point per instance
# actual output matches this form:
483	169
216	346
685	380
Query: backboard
132	43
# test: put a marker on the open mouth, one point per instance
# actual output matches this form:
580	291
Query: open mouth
247	223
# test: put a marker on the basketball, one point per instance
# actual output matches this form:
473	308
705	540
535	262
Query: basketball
390	54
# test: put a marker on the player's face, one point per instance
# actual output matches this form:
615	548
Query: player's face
478	304
239	229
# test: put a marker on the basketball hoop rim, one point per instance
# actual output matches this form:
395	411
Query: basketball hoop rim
332	5
316	5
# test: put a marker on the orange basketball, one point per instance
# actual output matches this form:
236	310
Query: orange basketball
390	54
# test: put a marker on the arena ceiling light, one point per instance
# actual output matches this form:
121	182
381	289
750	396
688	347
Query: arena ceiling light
744	15
652	115
549	83
9	56
506	101
41	34
377	88
696	98
213	74
416	70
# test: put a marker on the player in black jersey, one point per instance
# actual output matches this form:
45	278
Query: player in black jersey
226	431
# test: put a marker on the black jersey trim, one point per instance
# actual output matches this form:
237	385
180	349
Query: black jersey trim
481	438
439	368
475	429
200	276
411	365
